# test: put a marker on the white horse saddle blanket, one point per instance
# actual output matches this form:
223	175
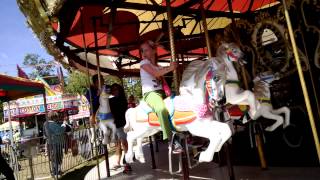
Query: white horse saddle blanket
178	115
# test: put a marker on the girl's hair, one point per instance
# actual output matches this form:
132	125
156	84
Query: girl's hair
120	89
149	43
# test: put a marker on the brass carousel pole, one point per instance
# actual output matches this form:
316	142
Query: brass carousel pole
183	155
88	83
172	47
109	34
302	80
94	23
205	29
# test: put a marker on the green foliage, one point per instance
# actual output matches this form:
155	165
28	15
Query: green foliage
109	80
77	83
40	66
132	86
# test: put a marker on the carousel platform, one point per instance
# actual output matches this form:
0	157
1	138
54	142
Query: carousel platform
204	171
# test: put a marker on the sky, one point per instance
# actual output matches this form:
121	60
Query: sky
16	39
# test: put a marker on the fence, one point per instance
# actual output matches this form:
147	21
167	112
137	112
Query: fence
35	158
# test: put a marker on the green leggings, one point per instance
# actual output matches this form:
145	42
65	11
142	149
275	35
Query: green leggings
155	101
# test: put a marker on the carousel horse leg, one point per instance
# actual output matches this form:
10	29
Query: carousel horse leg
213	131
270	115
139	153
113	127
105	133
286	111
243	98
140	132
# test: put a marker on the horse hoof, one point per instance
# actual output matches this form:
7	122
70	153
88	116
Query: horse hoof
269	129
140	158
204	158
129	158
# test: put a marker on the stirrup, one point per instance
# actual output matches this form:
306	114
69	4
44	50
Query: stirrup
170	153
182	137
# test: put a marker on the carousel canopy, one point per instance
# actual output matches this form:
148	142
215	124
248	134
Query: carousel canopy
15	87
76	32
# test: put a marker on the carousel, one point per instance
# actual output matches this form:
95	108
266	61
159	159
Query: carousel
246	86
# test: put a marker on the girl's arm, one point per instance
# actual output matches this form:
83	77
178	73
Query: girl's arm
158	73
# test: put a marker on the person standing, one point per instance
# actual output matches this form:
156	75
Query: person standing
118	106
5	169
55	137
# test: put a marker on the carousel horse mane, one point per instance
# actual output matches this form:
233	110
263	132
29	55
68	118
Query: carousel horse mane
193	79
261	89
194	76
262	83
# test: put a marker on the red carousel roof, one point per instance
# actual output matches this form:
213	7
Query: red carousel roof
121	25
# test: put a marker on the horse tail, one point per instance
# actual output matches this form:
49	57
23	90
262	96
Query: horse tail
128	115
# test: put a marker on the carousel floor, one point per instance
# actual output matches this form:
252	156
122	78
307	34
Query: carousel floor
204	171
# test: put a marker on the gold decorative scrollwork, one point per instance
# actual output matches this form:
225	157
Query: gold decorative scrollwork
312	28
275	55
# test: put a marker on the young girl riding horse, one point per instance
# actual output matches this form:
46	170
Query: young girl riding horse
151	76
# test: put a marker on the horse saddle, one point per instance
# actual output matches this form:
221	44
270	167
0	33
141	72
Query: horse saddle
177	116
237	111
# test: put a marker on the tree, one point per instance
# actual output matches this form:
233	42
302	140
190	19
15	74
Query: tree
77	83
40	66
110	79
133	87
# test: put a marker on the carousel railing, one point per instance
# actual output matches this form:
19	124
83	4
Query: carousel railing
34	158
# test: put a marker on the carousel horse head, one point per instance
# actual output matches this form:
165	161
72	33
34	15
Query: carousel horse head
231	51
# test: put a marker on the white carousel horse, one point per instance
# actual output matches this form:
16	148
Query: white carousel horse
228	53
262	92
105	118
234	95
140	123
137	122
